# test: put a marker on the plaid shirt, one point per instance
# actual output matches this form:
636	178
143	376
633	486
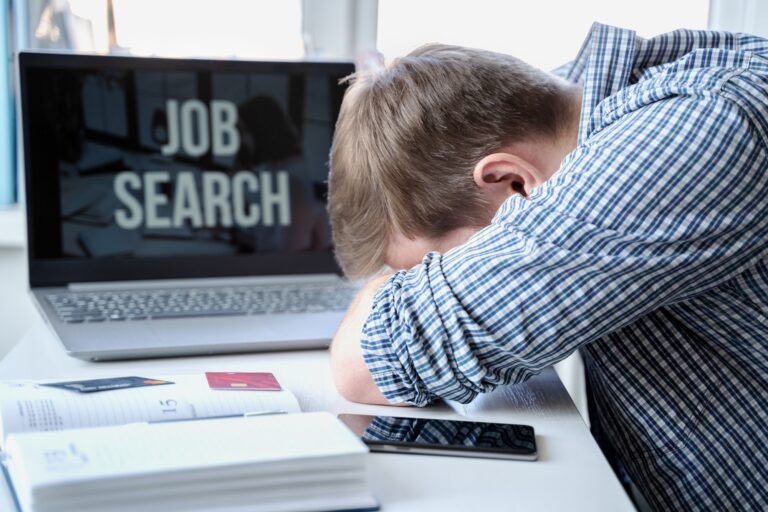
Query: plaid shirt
647	250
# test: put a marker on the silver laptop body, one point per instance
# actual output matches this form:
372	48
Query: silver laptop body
177	207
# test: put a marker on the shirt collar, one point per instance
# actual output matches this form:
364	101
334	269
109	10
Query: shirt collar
603	66
612	58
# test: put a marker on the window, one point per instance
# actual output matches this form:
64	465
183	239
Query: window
172	28
545	33
242	28
7	128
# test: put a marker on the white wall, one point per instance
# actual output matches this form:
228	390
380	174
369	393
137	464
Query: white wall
16	310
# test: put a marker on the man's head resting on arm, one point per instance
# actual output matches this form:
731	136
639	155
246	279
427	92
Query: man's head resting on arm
428	148
425	152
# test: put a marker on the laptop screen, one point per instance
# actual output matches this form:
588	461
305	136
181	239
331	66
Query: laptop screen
142	168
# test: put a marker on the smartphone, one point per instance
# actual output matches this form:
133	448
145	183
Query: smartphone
425	436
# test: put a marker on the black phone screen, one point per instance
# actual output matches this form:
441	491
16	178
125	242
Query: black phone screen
439	435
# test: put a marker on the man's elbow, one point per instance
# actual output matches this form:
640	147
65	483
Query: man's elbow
354	382
348	387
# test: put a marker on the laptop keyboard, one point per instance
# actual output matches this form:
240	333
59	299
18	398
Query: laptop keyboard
192	302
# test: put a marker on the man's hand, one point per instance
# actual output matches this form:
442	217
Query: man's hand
351	375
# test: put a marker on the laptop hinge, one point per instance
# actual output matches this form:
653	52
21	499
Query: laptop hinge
207	282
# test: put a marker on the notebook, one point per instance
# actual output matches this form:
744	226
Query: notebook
179	206
287	462
216	441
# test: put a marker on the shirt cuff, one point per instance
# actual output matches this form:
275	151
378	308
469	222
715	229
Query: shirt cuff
385	347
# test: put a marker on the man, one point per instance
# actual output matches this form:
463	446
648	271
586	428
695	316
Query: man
621	210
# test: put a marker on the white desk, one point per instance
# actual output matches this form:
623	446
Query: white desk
571	473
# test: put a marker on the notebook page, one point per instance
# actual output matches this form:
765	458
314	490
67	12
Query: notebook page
30	407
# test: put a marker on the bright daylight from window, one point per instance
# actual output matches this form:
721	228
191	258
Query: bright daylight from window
545	33
181	28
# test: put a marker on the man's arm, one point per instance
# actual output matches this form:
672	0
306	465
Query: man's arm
351	376
642	217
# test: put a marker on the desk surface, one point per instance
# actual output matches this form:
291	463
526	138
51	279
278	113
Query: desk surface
571	473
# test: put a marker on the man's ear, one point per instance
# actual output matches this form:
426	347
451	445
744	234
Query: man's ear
500	175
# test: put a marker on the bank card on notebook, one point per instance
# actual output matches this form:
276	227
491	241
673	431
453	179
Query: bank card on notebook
260	381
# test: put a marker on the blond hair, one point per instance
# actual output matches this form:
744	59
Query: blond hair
408	137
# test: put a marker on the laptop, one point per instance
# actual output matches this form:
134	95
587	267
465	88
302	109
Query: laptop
178	207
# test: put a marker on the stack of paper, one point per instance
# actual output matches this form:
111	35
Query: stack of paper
282	462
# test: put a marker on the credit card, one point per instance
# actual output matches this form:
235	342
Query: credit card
94	385
260	381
